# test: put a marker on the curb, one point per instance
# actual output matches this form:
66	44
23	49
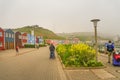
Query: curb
63	76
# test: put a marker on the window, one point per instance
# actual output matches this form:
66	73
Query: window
23	37
0	44
6	34
0	34
26	37
12	35
20	37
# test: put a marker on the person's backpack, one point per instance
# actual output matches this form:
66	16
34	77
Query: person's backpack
110	47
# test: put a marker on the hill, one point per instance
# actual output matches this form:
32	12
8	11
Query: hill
39	31
83	36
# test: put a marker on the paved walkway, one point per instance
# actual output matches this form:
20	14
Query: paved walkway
34	64
108	73
12	53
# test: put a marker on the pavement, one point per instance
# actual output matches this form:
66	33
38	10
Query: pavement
5	54
109	72
30	64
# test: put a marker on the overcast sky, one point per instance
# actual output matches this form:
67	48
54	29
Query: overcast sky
62	15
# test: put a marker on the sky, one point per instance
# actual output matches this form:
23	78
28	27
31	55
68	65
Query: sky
62	15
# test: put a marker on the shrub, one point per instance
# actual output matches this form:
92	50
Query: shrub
94	63
29	46
77	55
42	45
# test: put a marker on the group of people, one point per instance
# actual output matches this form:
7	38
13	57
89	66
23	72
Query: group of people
109	48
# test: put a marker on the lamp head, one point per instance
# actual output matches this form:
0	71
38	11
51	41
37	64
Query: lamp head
95	21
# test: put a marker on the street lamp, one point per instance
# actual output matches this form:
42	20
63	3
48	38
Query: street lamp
96	45
34	36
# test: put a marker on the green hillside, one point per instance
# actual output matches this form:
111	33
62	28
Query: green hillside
83	36
39	31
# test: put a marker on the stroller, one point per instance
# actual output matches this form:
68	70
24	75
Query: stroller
116	58
52	55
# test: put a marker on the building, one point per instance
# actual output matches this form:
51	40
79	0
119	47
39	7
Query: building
18	39
9	39
2	39
48	41
37	40
40	40
24	38
31	39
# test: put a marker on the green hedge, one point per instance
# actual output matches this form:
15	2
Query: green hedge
29	46
42	45
33	46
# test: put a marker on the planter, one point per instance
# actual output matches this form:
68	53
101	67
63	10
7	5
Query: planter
77	68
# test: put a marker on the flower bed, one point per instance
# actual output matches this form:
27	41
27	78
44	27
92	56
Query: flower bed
77	55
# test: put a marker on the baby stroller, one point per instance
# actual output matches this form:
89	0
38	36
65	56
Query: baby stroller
116	58
52	55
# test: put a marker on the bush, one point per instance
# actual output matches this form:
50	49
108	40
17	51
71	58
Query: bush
77	55
42	45
94	63
29	46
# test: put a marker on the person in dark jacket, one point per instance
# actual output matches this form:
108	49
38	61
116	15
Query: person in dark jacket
110	50
52	50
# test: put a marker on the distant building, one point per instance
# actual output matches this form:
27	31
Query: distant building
48	41
66	42
76	40
24	38
31	39
18	39
39	39
9	39
2	47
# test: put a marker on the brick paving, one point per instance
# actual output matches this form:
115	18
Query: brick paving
83	74
11	53
108	73
34	64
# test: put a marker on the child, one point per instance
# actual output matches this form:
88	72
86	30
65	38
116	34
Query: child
17	50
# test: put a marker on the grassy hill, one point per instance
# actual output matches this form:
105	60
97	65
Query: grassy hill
47	34
39	31
83	36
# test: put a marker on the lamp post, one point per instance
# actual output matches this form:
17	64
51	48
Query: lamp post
96	45
34	37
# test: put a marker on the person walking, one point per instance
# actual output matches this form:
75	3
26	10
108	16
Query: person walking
52	50
17	50
110	50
